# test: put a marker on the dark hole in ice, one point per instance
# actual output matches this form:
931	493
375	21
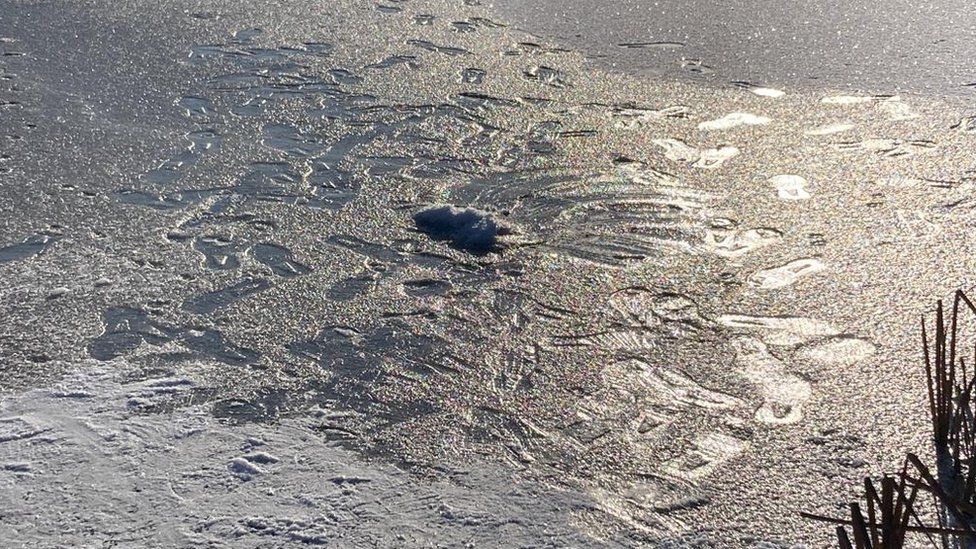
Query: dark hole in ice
467	229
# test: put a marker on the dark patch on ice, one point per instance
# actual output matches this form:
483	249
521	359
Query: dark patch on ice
430	46
351	287
427	287
211	301
468	229
279	259
127	328
211	343
168	201
410	61
34	245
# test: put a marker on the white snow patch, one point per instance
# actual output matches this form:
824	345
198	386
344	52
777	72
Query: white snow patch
86	472
733	120
767	92
779	277
709	159
839	351
781	330
468	229
244	469
790	187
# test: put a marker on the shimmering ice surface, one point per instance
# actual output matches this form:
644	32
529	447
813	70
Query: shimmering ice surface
398	274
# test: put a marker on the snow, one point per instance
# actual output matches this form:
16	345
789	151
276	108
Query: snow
80	468
467	229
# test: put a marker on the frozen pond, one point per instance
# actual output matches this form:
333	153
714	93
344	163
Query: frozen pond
397	274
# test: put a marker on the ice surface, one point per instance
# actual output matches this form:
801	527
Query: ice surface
407	276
